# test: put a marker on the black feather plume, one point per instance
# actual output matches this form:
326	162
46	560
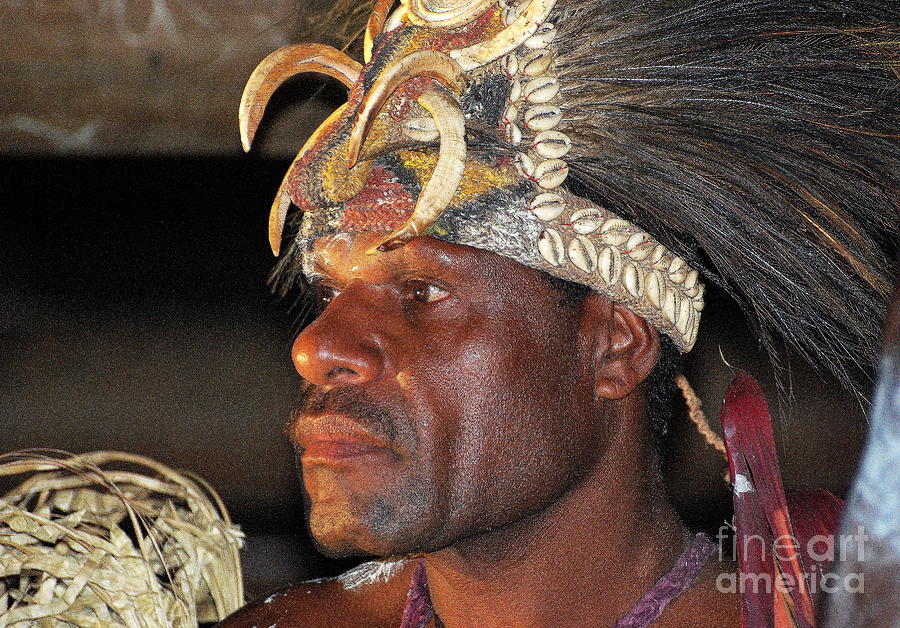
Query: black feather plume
758	138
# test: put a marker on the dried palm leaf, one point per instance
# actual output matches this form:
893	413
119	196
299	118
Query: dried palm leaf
113	539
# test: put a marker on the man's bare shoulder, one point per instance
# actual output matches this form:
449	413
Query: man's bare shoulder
372	595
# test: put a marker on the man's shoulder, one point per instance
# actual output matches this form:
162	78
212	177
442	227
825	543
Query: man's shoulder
372	594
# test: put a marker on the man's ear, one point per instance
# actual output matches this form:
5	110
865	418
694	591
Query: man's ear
625	347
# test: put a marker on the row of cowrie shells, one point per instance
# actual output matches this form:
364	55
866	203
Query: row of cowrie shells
610	247
541	37
642	268
532	91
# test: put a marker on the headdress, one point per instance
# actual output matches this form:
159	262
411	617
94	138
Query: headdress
629	145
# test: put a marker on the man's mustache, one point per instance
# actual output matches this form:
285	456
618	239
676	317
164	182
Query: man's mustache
354	403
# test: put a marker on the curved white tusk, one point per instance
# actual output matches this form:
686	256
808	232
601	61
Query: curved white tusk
375	26
447	174
281	65
282	201
507	40
430	63
446	13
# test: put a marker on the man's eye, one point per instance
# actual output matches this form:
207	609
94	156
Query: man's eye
424	292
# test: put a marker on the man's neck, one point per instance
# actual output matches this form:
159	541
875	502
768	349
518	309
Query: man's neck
584	560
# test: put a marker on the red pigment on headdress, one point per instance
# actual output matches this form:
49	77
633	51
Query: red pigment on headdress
382	205
298	174
406	94
474	32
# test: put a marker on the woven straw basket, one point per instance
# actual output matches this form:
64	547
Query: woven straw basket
113	539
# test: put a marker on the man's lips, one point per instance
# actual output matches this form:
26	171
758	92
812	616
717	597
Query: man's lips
334	439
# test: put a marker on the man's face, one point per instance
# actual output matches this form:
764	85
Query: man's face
449	393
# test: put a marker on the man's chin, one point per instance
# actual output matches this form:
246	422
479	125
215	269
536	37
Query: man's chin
347	545
338	535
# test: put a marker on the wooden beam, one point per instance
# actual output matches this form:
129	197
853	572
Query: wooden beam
142	77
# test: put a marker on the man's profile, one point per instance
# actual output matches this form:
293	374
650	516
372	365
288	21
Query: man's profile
504	231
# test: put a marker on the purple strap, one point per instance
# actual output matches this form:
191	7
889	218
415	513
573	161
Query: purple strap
646	610
679	579
419	610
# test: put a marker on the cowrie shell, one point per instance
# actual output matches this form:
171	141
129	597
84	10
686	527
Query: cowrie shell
536	62
655	287
691	336
510	65
616	231
551	173
684	315
547	206
660	258
639	245
551	144
511	114
698	298
583	253
678	270
691	279
513	133
550	246
541	89
515	92
609	265
587	220
525	165
693	291
670	305
633	278
511	12
421	129
542	117
542	37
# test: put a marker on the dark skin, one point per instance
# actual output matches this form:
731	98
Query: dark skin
460	410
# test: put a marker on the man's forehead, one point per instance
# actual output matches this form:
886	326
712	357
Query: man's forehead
340	256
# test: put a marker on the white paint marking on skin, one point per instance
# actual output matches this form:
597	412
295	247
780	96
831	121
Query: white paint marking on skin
368	573
269	599
742	485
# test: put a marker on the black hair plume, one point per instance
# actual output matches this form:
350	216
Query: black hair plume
759	139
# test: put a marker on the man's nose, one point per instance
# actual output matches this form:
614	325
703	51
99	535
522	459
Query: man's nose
340	346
